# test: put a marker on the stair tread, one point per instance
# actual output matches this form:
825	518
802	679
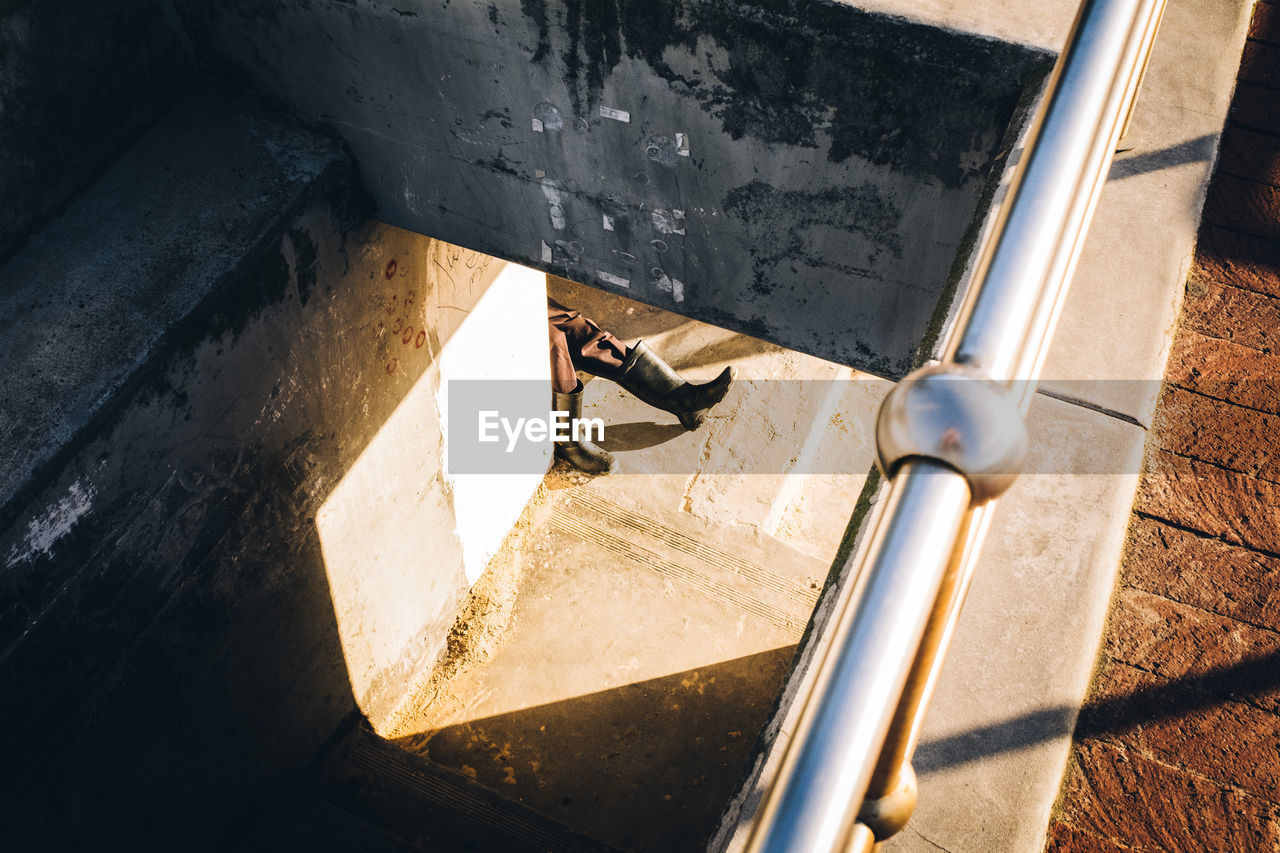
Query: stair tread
642	656
317	826
89	300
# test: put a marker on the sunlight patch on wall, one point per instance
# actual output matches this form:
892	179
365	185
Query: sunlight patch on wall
403	542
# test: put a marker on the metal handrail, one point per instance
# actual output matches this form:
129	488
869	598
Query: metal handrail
845	781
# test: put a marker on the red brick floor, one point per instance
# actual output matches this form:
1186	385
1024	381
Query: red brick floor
1178	747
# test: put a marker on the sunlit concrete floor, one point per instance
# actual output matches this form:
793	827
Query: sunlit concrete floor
650	617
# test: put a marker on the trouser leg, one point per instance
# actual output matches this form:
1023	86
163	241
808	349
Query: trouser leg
577	343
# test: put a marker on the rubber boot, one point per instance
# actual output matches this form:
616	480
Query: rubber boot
581	454
651	379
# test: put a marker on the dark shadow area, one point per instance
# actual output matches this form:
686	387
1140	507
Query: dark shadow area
683	340
1198	150
636	319
174	655
1109	716
644	767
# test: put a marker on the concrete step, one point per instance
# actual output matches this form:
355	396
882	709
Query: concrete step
431	808
786	453
225	523
306	822
117	280
135	489
640	656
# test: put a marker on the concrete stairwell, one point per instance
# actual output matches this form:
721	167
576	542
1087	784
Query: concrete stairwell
226	525
226	528
246	604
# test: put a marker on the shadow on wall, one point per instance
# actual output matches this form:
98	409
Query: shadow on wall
187	640
682	342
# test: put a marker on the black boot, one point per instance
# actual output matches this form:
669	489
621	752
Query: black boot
581	454
651	379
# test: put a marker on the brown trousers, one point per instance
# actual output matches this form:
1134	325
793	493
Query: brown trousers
579	344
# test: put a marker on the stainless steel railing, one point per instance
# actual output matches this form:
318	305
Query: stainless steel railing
950	439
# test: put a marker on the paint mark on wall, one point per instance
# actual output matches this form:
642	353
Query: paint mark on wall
668	221
546	117
615	114
610	278
555	206
42	533
659	279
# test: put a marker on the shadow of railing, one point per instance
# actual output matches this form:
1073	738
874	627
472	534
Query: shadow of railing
1112	715
1198	150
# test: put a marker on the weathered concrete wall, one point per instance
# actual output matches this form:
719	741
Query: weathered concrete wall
800	171
182	620
78	81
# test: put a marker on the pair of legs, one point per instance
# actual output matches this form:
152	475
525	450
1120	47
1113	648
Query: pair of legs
577	343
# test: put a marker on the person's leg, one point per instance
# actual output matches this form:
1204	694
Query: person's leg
566	396
578	343
647	376
590	348
564	376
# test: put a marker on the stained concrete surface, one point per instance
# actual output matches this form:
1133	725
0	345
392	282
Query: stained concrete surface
998	730
805	173
1117	324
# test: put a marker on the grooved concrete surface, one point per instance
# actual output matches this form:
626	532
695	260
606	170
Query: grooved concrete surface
1177	747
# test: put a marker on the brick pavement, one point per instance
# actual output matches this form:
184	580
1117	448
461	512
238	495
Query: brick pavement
1178	746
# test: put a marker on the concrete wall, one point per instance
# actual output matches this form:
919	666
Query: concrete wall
803	172
254	535
78	81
